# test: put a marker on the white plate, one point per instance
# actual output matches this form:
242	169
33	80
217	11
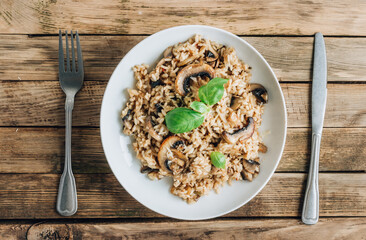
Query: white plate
120	154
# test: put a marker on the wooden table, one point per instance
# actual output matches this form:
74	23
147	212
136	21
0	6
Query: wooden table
32	117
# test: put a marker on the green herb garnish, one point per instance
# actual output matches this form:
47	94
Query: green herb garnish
218	159
212	92
180	120
199	107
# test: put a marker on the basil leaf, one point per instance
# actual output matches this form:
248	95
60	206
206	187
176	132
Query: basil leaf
212	92
218	159
180	120
199	107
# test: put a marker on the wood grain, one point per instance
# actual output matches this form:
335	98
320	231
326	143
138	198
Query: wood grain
146	17
101	55
41	150
32	120
30	196
41	103
36	58
266	229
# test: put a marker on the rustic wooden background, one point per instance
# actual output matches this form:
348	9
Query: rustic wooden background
32	117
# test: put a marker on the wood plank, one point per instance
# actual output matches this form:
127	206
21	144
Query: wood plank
290	57
340	111
29	196
101	55
41	103
41	150
11	231
326	228
342	149
146	17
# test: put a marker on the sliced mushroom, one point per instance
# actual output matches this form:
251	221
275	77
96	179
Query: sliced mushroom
178	154
246	175
168	52
152	132
241	134
259	92
175	164
262	148
179	158
251	166
235	102
195	87
146	169
211	54
182	82
169	145
156	83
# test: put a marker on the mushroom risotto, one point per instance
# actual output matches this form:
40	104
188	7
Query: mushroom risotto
195	118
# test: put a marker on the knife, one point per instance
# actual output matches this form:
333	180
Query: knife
310	211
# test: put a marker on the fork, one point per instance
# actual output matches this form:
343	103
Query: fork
71	81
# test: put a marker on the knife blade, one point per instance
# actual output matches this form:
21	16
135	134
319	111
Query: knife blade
319	92
310	213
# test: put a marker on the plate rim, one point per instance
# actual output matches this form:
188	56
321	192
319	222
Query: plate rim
276	82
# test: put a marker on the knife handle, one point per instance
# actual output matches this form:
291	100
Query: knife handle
310	211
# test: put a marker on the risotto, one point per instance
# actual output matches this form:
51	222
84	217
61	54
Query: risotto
228	128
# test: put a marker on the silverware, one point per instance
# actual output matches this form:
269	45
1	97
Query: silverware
71	81
310	211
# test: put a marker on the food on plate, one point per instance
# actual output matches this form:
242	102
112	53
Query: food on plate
195	118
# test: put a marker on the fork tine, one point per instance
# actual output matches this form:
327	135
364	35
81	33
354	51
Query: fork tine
80	55
72	52
61	63
67	54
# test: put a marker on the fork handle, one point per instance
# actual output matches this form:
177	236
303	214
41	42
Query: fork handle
310	211
67	204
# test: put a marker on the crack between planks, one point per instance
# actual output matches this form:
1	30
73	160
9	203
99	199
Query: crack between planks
361	172
106	81
33	35
150	219
55	127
